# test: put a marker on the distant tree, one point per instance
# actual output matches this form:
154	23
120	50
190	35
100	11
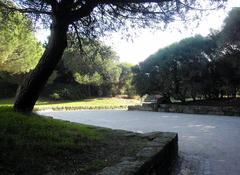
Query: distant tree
228	71
178	70
89	18
141	80
96	67
19	49
196	67
227	64
125	85
230	34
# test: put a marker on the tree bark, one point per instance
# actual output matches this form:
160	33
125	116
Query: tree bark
29	91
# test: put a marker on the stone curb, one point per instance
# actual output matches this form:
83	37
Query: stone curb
68	108
191	109
156	158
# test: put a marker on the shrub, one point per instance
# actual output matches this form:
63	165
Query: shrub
55	96
64	92
8	90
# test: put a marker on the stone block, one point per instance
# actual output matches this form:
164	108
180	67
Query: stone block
155	159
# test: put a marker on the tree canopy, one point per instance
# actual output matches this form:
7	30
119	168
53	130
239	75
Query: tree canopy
196	67
93	18
20	51
89	19
231	28
97	70
97	66
172	70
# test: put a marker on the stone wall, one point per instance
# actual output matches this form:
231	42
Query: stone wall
212	110
145	107
191	109
157	158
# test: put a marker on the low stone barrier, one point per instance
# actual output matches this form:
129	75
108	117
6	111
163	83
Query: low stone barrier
191	109
71	108
157	158
140	108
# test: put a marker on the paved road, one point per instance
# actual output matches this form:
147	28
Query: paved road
208	145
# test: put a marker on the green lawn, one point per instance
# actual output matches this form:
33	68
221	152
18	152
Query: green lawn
30	142
33	144
96	103
6	102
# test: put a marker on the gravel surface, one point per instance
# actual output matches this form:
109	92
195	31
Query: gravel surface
208	144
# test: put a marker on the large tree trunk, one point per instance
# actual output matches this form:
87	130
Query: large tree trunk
29	91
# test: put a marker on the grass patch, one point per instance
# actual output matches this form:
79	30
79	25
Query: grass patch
6	102
95	103
31	144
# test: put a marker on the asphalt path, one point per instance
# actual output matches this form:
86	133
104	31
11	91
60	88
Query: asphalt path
208	144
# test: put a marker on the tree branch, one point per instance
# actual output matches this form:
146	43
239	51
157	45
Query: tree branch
27	10
131	1
86	9
199	9
79	39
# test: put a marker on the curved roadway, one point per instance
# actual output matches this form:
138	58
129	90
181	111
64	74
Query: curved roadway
208	144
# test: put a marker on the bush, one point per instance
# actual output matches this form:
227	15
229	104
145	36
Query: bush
8	90
54	96
64	92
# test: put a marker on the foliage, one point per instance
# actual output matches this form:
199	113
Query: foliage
7	89
97	68
227	66
231	30
92	19
195	67
55	96
95	79
88	19
64	91
125	85
176	70
19	49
